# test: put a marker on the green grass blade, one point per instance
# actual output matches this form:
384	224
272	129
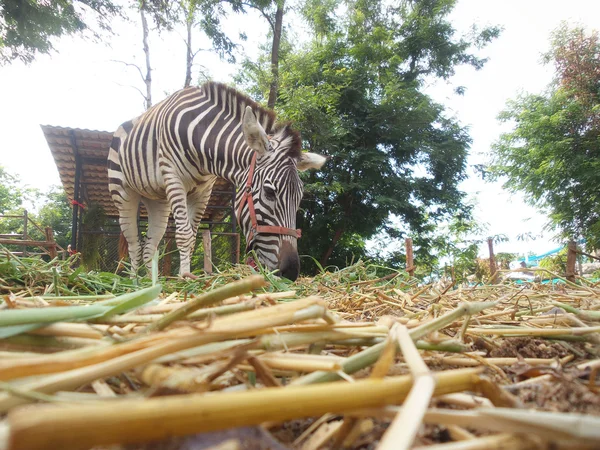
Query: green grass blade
49	315
6	332
132	300
17	318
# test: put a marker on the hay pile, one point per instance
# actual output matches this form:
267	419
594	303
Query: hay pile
360	358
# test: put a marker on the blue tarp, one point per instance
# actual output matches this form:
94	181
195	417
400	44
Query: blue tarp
534	260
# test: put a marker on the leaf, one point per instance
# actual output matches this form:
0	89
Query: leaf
13	322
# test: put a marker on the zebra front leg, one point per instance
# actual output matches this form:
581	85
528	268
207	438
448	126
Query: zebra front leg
186	241
158	218
197	201
184	233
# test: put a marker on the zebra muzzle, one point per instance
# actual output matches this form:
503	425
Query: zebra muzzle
289	261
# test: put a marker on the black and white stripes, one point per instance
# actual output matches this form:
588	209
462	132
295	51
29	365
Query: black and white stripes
170	157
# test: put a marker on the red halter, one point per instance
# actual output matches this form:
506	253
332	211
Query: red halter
255	228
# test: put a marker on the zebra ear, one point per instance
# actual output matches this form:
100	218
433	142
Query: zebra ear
255	135
310	161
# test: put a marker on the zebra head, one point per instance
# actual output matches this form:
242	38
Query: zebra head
268	203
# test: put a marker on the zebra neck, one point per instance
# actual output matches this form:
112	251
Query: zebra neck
232	164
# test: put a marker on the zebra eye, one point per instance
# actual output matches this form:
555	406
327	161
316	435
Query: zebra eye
269	193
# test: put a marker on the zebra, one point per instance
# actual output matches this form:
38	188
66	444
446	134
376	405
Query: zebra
170	157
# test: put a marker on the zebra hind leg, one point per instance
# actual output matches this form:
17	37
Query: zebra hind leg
158	218
125	199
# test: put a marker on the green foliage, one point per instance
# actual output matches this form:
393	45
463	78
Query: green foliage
14	198
449	249
28	27
456	247
56	212
12	192
556	263
553	152
320	15
504	259
55	209
93	222
164	13
223	247
355	92
207	16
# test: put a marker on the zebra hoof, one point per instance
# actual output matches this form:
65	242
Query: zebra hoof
189	275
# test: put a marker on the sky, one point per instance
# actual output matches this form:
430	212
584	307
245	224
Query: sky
85	86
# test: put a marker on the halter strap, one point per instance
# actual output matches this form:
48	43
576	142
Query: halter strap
255	228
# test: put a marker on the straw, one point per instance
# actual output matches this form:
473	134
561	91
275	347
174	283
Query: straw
131	421
404	427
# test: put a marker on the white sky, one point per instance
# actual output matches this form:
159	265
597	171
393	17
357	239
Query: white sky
81	87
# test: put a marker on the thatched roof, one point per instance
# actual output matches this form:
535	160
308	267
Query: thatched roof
91	147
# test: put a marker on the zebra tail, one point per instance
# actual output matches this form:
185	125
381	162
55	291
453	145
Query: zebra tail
123	248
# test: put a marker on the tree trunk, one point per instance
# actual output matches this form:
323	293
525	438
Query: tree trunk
493	266
148	78
275	55
329	251
189	55
571	261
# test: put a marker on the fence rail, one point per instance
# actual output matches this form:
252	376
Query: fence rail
48	245
211	250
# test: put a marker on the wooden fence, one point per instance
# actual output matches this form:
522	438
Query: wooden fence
48	246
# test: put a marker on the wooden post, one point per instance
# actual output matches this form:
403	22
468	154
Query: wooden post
410	263
52	244
76	216
493	267
168	259
237	249
571	260
206	242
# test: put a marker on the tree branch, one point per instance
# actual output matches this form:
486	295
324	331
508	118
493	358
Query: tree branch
148	77
262	11
133	87
200	50
130	65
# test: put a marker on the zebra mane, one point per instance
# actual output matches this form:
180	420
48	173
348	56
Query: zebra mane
219	93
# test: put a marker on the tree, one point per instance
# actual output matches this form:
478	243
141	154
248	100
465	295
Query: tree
12	193
206	15
56	213
553	152
163	15
273	11
28	27
277	29
355	92
146	48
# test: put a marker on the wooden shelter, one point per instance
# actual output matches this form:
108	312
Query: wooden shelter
81	158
